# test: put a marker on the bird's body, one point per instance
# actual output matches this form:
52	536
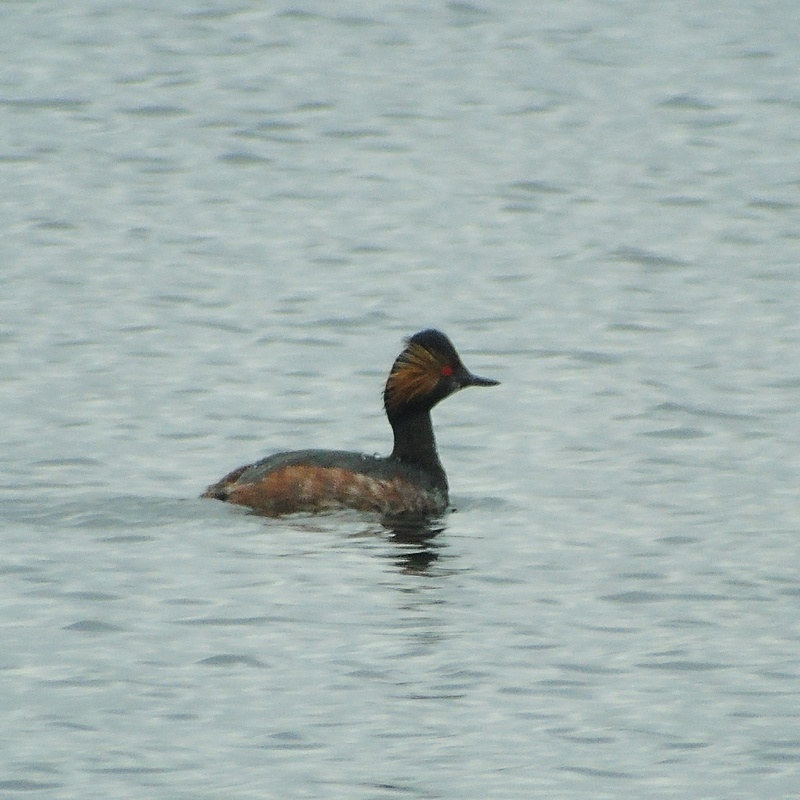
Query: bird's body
411	480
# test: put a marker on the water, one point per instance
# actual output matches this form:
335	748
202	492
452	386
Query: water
219	222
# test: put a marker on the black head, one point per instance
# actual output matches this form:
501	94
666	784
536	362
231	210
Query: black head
428	370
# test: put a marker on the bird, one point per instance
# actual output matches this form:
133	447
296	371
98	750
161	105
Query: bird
409	481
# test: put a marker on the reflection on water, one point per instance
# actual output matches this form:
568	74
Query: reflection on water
418	545
416	541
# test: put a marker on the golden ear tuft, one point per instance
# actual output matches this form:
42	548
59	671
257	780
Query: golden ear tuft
415	375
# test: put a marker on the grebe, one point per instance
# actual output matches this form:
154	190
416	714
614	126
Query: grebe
409	481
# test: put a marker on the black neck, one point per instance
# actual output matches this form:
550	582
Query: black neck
414	444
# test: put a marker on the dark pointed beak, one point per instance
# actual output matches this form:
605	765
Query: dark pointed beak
475	380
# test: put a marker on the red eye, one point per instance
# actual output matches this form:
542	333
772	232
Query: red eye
447	371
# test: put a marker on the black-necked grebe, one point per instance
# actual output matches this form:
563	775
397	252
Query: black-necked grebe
410	480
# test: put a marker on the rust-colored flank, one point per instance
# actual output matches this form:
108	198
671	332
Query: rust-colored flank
309	488
411	480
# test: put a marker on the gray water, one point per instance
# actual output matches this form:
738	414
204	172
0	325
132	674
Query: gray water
219	221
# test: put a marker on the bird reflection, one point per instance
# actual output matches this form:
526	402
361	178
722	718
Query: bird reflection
415	536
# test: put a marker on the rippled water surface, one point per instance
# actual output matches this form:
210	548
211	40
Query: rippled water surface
220	220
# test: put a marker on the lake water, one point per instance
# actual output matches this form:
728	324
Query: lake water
219	221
